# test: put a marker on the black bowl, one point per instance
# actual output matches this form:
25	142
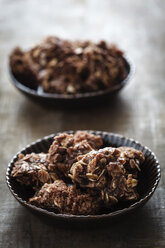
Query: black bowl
148	180
81	98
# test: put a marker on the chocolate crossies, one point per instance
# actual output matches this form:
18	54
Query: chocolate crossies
68	67
31	170
65	199
111	171
77	177
67	147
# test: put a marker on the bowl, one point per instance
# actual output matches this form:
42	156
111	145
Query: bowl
150	171
81	98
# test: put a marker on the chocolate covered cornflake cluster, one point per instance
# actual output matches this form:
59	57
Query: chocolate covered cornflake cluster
112	171
65	198
65	67
32	170
66	148
77	176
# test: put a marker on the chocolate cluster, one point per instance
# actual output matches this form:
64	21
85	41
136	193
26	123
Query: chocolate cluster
78	176
67	67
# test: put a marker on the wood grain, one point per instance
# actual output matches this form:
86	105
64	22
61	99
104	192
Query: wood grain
138	112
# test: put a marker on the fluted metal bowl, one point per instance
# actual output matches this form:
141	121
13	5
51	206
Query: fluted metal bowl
148	179
79	98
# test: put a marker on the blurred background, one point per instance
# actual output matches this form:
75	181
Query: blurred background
137	27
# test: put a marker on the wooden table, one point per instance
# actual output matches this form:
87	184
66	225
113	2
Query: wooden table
138	112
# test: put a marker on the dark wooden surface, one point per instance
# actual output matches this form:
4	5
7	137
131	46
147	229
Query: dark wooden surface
138	111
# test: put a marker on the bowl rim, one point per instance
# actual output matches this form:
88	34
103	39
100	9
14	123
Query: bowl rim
44	95
116	213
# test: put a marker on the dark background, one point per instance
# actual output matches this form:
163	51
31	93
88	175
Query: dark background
138	112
